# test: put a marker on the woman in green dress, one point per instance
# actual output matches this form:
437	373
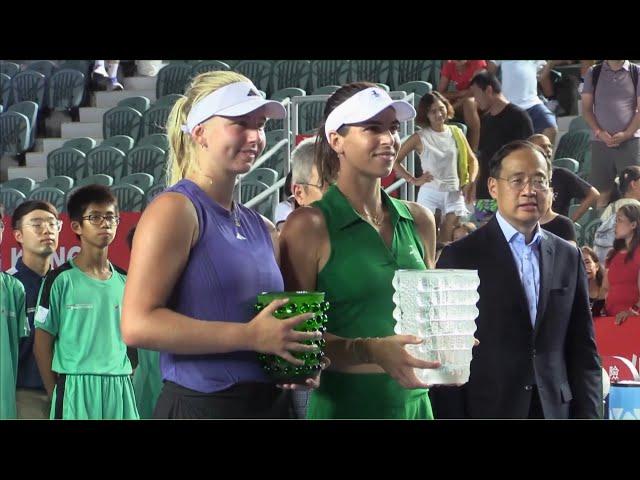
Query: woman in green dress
349	244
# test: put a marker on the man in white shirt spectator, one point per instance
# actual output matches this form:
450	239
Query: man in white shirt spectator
520	86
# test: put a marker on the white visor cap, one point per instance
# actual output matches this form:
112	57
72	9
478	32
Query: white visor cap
233	100
363	105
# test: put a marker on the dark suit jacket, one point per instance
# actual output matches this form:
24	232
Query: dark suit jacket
558	355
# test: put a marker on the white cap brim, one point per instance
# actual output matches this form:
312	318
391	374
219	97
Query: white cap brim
272	108
233	100
365	105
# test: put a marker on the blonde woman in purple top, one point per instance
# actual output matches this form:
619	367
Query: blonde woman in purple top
199	260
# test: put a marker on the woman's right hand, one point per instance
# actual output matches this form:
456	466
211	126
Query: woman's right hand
390	354
268	334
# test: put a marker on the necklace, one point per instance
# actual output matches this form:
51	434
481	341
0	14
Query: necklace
236	221
234	212
375	219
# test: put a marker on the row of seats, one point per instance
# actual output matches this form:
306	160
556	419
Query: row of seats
109	160
134	191
52	87
137	118
309	75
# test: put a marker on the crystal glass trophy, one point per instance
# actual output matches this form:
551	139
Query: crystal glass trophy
438	306
299	302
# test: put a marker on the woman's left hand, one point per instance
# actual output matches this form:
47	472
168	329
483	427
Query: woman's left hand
310	383
623	315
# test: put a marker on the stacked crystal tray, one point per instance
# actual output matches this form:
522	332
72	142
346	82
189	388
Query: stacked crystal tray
438	306
299	302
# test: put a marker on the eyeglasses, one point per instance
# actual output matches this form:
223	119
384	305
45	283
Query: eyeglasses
97	219
310	185
517	184
38	225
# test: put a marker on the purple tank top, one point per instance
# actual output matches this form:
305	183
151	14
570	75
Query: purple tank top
226	270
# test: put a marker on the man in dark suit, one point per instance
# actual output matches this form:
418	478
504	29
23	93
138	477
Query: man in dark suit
537	355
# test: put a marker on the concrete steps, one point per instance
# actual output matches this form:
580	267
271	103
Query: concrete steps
111	99
36	173
81	129
92	114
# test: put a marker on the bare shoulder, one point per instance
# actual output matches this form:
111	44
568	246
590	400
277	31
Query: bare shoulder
307	220
421	214
169	212
170	203
270	226
305	226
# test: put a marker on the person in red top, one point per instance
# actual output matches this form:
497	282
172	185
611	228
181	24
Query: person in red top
459	74
622	277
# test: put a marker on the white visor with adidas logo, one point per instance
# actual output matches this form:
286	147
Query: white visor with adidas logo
364	105
233	100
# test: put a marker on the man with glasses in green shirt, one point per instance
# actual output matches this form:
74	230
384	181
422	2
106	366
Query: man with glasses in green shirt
78	345
13	324
36	227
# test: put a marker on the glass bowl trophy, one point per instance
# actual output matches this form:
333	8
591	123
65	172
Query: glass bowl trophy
299	302
438	306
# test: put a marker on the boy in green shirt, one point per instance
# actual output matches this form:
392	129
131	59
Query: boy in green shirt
13	325
78	346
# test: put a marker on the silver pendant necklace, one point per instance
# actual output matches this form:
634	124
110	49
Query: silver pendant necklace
236	221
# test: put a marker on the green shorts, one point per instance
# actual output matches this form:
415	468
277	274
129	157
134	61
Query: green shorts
94	397
366	396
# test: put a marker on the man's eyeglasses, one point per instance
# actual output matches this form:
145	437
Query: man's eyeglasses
310	185
517	184
39	225
97	219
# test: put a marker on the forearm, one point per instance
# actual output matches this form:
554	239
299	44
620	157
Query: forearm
589	117
473	166
633	126
582	208
402	172
348	352
165	330
43	352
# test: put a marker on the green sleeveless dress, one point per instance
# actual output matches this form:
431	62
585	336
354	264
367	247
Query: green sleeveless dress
357	283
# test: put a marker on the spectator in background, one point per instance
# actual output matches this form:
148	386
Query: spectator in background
306	186
566	184
286	206
501	123
557	224
459	74
462	230
610	108
622	276
595	276
630	191
448	164
520	87
108	73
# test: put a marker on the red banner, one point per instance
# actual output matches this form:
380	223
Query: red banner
68	244
617	343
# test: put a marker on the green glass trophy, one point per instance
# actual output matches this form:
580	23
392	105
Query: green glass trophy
299	302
